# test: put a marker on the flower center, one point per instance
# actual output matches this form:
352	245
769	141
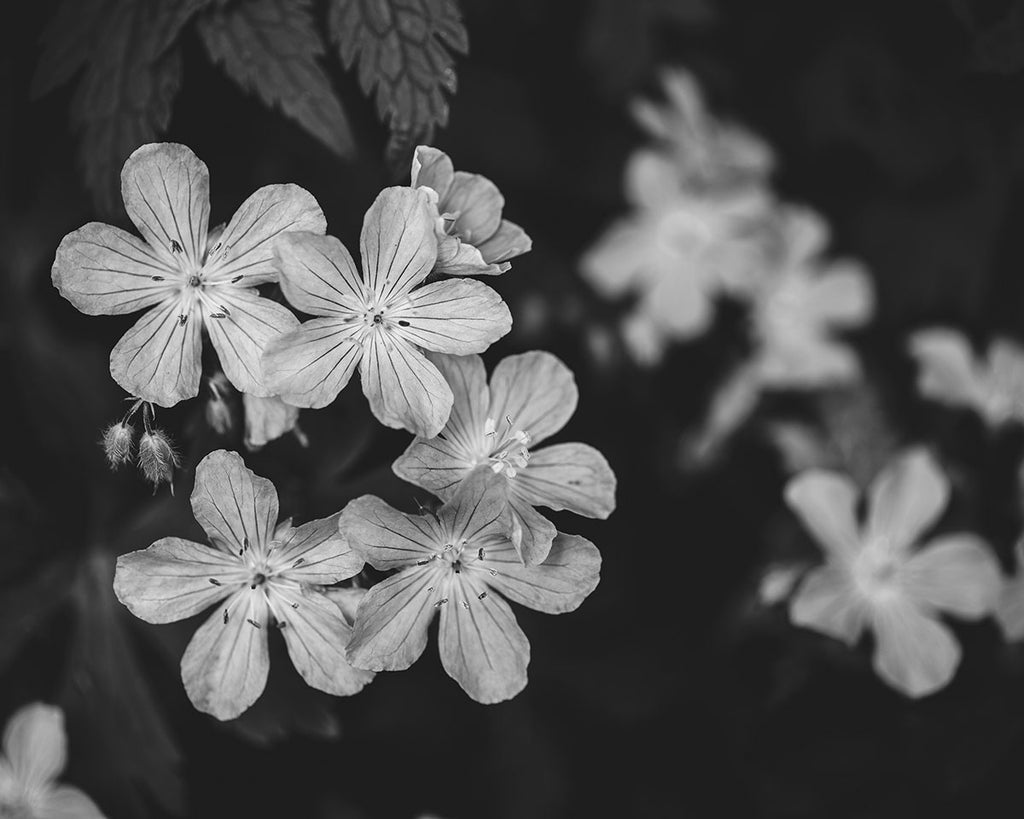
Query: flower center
194	281
507	449
877	571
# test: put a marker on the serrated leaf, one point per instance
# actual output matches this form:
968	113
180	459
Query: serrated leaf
131	75
271	47
404	49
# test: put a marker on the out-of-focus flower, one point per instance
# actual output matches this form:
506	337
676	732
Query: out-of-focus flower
187	280
380	321
1009	612
258	576
796	309
157	458
706	152
677	251
875	578
35	752
951	373
530	397
778	582
218	410
472	238
454	561
267	419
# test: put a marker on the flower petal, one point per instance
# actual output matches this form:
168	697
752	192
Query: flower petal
397	243
267	419
316	634
317	553
947	368
174	579
457	316
477	512
432	168
104	271
166	191
564	580
506	243
225	666
439	463
531	532
806	362
66	802
826	503
536	390
842	296
249	322
310	365
386	538
35	744
913	652
246	248
391	624
476	203
347	600
237	508
568	476
318	275
906	498
826	603
620	258
458	258
482	646
955	573
405	390
159	358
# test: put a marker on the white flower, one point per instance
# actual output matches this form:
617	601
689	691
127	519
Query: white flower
259	576
34	754
187	280
381	320
951	373
875	578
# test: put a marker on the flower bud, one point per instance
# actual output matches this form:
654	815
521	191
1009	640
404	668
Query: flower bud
117	443
157	458
218	411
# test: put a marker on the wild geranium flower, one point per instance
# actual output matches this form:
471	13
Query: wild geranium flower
258	577
951	373
676	252
875	577
531	397
706	152
379	321
458	562
472	238
187	279
796	310
34	755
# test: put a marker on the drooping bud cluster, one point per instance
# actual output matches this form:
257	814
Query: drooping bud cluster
118	440
157	458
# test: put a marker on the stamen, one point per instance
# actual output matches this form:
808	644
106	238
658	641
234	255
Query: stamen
281	624
157	278
299	562
425	562
215	581
465	605
182	318
245	543
218	315
175	247
252	622
440	602
215	248
481	596
237	279
403	323
225	310
480	554
295	605
225	617
494	572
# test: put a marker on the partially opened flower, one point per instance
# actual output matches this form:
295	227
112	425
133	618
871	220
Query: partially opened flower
950	372
531	397
267	419
458	562
876	578
473	238
676	252
258	577
797	309
381	320
34	755
185	279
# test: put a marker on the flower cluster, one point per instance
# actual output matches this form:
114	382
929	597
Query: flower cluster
413	322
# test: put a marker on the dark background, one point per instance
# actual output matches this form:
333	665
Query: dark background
671	692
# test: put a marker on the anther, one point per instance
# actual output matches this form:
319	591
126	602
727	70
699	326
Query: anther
216	247
182	318
465	605
494	572
425	562
157	278
295	605
480	554
440	602
175	247
245	543
299	562
481	596
214	581
225	617
218	315
237	279
403	323
225	310
252	622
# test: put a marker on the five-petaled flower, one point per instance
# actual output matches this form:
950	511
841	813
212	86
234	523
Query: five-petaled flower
458	561
259	575
381	321
950	372
531	396
188	278
34	754
874	578
472	238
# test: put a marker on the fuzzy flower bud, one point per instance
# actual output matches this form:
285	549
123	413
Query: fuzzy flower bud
117	443
157	458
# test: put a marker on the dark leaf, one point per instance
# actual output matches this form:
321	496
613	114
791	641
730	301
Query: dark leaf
271	48
404	51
